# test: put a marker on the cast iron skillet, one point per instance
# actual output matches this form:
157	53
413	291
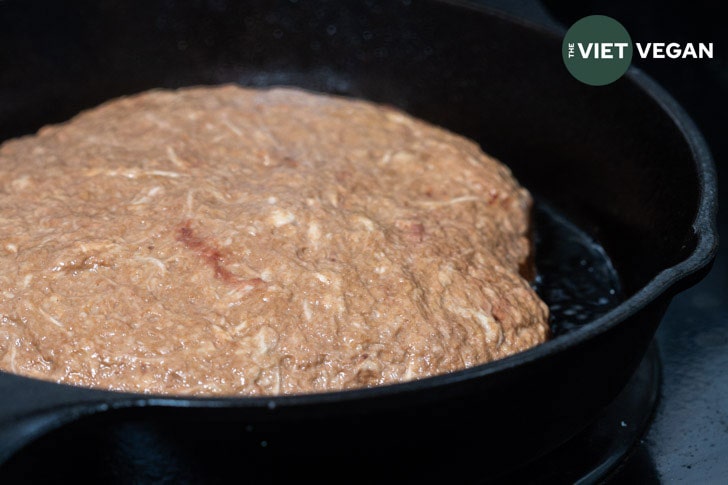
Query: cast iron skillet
623	161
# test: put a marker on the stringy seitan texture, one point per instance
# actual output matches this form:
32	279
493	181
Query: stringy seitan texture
231	241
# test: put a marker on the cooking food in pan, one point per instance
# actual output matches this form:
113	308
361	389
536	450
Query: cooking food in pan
223	240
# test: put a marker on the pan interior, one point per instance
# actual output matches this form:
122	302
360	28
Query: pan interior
576	278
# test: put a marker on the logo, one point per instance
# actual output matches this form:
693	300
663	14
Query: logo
597	50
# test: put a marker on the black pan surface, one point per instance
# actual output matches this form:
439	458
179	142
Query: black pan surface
621	162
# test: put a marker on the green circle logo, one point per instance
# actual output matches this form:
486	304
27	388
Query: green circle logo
597	50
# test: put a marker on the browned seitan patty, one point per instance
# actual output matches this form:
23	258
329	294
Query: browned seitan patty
222	240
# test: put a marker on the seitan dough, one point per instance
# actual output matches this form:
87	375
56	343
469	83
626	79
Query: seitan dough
233	241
